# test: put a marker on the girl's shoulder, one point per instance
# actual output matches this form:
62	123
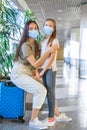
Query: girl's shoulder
55	41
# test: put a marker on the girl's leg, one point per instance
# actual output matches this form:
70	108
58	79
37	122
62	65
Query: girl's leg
49	83
57	112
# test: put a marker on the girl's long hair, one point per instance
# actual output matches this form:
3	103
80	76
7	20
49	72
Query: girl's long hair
24	38
53	36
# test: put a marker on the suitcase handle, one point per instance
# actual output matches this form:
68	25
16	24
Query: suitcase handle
9	83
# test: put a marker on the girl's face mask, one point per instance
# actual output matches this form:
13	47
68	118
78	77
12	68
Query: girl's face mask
48	30
33	33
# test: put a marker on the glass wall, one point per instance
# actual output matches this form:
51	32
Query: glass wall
83	43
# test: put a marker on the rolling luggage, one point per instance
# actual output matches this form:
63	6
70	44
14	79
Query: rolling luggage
11	101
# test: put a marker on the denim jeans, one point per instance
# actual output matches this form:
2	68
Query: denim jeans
49	78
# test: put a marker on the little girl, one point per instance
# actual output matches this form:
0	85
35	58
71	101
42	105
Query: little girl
48	73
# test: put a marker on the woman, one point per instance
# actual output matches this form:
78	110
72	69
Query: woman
22	75
48	72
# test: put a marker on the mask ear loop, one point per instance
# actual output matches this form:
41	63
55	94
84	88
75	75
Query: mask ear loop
50	42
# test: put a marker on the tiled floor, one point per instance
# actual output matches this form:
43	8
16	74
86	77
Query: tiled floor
71	96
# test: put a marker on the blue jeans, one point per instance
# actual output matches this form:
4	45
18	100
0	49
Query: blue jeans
49	78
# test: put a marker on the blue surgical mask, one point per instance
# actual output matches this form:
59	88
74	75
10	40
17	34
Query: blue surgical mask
47	30
33	33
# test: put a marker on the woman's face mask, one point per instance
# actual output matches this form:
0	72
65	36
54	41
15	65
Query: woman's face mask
48	30
33	33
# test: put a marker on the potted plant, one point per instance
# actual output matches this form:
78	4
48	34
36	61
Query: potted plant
8	30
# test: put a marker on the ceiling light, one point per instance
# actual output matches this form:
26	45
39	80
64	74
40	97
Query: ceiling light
59	18
60	11
59	25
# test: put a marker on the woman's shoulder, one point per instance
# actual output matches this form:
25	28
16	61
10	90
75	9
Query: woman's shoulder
26	44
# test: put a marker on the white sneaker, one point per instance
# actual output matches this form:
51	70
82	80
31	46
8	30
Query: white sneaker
62	117
49	122
37	124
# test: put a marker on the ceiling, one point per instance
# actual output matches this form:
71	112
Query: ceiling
65	12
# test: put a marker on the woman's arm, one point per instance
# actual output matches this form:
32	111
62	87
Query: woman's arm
40	61
51	59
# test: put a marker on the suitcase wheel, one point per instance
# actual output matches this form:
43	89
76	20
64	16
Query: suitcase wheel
21	119
1	119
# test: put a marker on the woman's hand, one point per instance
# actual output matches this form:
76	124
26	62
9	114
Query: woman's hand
37	74
53	48
41	73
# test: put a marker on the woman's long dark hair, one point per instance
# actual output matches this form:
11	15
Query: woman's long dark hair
53	36
24	38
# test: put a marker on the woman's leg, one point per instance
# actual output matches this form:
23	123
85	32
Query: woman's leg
34	114
31	86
